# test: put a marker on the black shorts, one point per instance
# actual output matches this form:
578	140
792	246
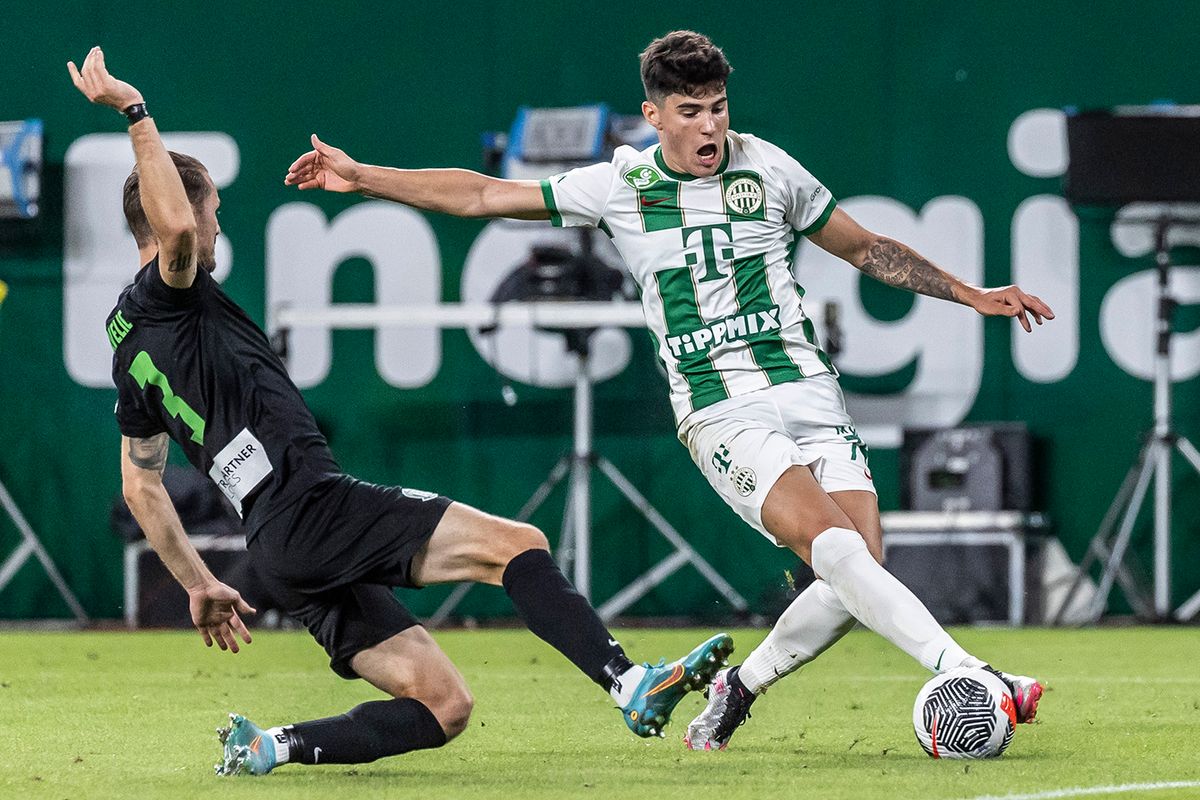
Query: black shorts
333	559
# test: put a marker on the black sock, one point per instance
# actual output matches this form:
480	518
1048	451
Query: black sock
366	732
559	615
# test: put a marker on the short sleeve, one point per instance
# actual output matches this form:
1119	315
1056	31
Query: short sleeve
578	197
808	205
134	418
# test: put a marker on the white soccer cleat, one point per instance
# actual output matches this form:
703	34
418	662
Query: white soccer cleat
728	707
1026	692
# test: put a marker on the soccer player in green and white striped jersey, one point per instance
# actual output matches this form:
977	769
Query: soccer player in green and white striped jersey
708	221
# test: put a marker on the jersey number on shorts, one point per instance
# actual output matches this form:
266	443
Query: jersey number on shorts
143	371
848	433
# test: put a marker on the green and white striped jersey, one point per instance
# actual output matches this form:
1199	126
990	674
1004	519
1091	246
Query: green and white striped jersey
712	258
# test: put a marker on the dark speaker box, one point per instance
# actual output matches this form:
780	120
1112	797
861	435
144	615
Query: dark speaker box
1015	446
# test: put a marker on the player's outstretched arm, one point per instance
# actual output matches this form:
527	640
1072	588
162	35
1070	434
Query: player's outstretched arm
459	192
215	607
897	264
163	197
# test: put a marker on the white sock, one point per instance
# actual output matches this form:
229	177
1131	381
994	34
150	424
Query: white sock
623	687
882	603
808	627
279	739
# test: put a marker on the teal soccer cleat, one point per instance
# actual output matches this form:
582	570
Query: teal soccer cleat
663	686
248	750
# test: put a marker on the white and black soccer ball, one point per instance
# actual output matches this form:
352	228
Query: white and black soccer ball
964	713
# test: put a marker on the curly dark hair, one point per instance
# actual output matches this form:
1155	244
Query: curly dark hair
682	62
195	183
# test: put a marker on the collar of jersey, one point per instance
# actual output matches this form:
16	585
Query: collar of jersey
683	176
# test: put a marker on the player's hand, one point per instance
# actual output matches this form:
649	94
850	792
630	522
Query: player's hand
324	167
99	86
215	611
1010	301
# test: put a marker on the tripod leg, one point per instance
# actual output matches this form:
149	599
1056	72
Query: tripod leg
531	506
1162	530
566	540
1134	592
542	492
581	510
670	534
14	562
1192	606
641	585
1189	452
33	546
448	605
1097	548
1123	535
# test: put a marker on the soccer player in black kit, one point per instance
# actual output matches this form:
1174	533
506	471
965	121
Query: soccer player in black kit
189	365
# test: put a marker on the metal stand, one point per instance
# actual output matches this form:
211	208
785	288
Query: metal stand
1153	463
31	546
574	548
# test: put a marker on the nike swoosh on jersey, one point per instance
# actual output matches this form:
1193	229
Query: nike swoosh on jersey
646	201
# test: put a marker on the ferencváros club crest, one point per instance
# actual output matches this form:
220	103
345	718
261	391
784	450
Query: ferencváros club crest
744	481
642	177
744	195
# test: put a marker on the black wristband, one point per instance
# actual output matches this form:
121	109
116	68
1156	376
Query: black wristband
136	113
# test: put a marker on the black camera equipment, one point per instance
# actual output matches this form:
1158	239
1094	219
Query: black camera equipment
1141	154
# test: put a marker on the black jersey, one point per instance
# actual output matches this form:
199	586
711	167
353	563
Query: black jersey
190	363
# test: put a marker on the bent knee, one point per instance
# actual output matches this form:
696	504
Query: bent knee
528	537
799	535
516	538
453	711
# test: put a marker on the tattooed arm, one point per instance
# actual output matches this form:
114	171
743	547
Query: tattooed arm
163	197
897	264
215	607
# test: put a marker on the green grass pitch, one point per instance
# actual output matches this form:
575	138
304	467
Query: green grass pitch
124	715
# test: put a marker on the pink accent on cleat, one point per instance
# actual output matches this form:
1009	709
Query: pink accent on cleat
1026	697
1026	692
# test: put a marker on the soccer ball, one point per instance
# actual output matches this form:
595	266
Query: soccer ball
964	713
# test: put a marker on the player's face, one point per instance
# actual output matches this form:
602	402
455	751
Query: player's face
692	130
207	229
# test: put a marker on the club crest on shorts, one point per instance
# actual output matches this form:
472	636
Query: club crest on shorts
744	195
744	481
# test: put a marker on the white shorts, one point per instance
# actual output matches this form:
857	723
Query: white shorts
744	444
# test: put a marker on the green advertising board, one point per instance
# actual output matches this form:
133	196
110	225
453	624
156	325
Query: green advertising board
930	121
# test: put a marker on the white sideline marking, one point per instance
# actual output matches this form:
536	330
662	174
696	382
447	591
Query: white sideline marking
1081	791
1131	680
